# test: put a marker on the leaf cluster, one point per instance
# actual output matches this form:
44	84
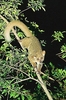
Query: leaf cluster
36	5
59	36
13	63
9	8
59	84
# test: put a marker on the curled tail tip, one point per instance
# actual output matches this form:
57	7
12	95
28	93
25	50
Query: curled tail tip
7	38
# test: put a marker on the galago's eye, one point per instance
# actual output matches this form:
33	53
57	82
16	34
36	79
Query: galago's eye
37	58
42	58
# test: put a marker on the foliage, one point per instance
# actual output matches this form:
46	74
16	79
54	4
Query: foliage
59	36
59	75
17	78
63	51
36	5
14	66
10	11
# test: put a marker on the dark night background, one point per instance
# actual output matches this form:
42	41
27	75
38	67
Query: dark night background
54	19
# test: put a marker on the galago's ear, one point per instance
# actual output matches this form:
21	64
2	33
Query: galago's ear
43	52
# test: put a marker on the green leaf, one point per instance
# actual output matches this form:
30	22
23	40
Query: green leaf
58	35
22	97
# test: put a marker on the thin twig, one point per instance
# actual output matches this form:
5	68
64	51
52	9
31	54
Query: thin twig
62	58
47	76
25	10
59	55
24	74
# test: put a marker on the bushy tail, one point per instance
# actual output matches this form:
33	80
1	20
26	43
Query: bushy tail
20	25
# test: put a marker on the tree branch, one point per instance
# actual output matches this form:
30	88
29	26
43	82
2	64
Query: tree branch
43	85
